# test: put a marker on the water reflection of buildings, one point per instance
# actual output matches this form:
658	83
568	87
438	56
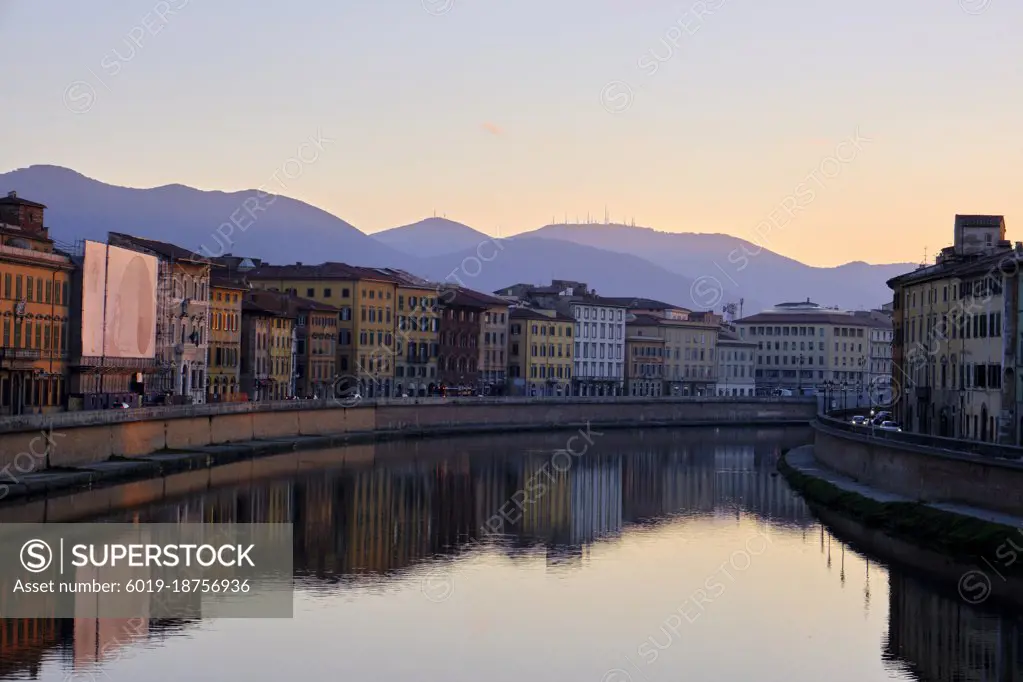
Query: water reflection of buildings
745	478
24	642
378	519
385	517
941	639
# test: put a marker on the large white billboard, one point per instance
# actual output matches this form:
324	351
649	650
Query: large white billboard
118	302
94	300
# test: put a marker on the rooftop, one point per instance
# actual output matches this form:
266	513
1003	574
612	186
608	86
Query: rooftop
280	304
535	314
728	336
644	303
12	199
979	220
163	249
963	266
576	292
822	316
405	278
480	298
223	280
643	321
323	271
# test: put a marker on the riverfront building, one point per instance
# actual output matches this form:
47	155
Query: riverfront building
804	347
493	342
644	348
540	352
182	320
736	364
268	335
35	303
461	318
954	350
599	351
225	337
417	335
365	299
690	345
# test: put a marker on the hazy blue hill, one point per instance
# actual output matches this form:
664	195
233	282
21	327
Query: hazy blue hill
287	230
431	237
615	259
537	261
738	264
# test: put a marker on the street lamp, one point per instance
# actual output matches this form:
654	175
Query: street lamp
799	375
829	386
859	380
844	394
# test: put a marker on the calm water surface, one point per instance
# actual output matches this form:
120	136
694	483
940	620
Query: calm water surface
658	555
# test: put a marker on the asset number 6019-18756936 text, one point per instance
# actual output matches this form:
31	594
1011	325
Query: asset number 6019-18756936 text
205	585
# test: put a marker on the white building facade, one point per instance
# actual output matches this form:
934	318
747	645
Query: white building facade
599	362
736	365
809	349
599	348
879	375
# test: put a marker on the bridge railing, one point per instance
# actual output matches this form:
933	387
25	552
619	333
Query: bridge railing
952	445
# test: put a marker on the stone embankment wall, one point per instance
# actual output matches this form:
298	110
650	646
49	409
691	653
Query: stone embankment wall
78	438
925	468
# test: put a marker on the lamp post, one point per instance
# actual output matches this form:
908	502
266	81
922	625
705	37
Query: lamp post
859	380
799	375
844	394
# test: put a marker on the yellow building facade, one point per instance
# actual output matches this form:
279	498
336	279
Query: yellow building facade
225	339
34	299
540	352
282	358
417	326
365	298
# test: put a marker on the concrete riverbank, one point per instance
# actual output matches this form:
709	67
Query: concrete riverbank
79	458
979	550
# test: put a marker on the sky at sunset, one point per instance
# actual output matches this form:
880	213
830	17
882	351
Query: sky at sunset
505	115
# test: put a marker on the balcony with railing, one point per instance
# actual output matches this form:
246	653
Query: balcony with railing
18	252
19	358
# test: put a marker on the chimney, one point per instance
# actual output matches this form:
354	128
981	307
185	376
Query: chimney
12	195
299	263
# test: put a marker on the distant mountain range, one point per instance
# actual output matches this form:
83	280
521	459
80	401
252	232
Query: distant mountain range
697	271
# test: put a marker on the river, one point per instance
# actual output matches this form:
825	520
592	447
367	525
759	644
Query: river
652	555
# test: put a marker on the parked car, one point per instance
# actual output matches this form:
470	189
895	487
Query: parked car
120	406
890	426
859	420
